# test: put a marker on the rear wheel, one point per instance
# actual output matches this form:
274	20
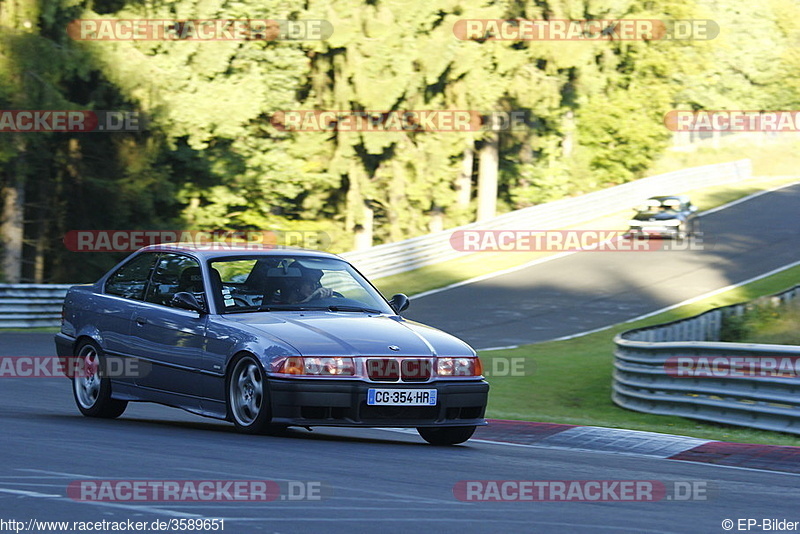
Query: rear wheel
446	435
248	398
92	390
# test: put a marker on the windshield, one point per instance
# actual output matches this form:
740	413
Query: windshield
280	283
655	205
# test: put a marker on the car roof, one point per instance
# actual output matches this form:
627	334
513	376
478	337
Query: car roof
226	250
682	198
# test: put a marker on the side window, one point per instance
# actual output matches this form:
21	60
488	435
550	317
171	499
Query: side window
130	280
175	273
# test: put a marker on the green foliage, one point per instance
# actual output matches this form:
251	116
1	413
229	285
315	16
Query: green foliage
763	322
210	158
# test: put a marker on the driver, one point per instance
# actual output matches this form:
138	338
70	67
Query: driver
305	288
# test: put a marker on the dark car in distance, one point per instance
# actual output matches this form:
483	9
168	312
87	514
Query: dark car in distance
664	216
265	338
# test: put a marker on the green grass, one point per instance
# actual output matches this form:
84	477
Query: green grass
35	329
571	380
764	323
780	156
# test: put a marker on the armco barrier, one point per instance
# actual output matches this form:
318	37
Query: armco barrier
642	383
31	305
394	258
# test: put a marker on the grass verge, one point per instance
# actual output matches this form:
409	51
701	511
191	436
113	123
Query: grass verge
570	380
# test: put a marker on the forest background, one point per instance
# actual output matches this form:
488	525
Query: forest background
211	157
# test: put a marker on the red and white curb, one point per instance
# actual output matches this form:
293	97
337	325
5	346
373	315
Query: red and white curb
635	442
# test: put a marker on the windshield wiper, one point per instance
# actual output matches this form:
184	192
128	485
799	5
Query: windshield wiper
266	307
282	307
352	309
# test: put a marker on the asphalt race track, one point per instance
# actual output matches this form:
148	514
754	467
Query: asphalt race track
592	289
367	480
387	481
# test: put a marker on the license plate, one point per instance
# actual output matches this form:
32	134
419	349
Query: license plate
401	397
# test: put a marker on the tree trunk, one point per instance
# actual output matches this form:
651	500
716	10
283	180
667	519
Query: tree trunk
436	221
364	230
569	134
464	181
358	215
396	208
11	230
488	166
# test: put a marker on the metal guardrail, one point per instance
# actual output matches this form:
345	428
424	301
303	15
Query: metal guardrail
642	382
31	305
402	256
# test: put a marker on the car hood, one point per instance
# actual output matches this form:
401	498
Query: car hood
316	333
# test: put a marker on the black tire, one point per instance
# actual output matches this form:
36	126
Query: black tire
446	435
247	398
91	390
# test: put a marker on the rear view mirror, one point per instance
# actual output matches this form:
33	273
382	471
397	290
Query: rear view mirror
399	302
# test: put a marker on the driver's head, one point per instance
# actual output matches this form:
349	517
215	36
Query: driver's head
301	287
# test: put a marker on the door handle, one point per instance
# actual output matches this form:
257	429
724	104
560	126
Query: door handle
141	321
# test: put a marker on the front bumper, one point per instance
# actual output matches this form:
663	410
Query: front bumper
65	346
654	231
344	403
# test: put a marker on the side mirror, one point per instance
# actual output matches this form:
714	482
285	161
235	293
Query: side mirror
186	301
399	302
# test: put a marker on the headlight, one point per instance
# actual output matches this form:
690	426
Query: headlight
318	366
459	367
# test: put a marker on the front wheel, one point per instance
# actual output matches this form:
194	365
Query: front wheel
446	435
248	398
92	390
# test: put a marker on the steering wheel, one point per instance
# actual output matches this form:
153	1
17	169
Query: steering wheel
239	301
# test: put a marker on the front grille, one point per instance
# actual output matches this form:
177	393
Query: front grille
396	369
